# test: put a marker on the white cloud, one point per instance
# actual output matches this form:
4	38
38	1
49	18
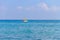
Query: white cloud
19	8
45	7
30	8
42	6
55	8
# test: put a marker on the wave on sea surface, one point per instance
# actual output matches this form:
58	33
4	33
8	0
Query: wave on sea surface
32	30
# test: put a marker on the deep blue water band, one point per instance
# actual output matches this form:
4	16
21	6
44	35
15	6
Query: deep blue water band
32	21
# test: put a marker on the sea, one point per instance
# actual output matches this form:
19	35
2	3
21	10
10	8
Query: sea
30	30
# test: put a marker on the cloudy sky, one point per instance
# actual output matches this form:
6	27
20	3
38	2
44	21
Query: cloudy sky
30	9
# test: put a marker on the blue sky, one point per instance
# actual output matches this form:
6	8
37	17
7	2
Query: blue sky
30	9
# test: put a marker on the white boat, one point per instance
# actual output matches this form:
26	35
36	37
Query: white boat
25	20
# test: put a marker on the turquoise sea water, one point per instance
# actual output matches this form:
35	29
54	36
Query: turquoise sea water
31	30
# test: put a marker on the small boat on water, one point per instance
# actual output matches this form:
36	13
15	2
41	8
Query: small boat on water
25	20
